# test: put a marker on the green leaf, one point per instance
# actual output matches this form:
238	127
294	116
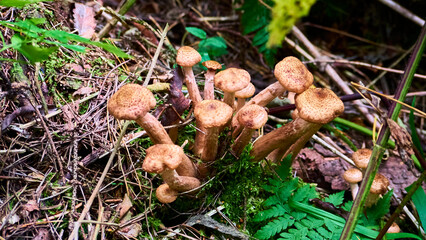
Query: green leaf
419	200
305	193
199	33
214	46
336	199
32	51
347	206
283	170
275	211
19	3
261	37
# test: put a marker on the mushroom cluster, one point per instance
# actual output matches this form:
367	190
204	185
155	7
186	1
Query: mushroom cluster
235	113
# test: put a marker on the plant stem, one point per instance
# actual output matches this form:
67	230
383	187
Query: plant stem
398	210
384	134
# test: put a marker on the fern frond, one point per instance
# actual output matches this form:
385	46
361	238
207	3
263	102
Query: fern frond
274	227
305	193
273	212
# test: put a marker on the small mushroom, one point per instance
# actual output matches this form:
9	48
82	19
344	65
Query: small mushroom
211	115
243	94
165	194
212	67
361	157
394	228
316	107
231	80
132	102
378	187
353	176
170	162
187	57
252	117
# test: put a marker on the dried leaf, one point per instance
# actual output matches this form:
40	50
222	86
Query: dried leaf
132	231
145	32
124	206
69	112
403	141
84	20
83	91
30	206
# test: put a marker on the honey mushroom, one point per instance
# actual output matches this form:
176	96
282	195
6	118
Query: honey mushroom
292	76
132	102
230	81
173	165
243	94
212	67
353	176
187	57
316	107
165	194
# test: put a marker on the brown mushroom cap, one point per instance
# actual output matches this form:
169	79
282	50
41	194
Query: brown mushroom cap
352	175
232	79
394	228
319	105
160	156
130	102
362	157
293	75
165	194
252	116
187	57
380	184
246	92
212	65
212	113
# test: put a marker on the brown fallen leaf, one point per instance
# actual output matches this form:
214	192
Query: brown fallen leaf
43	234
69	111
84	20
83	91
403	140
124	206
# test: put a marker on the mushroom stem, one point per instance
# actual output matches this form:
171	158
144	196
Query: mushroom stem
154	129
187	168
209	85
278	154
354	189
165	194
209	150
242	140
229	98
177	182
268	94
282	137
199	141
240	104
191	84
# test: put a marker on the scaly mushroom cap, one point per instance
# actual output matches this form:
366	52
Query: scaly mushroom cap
212	65
232	79
212	113
165	194
160	156
252	116
293	75
319	105
187	57
362	157
352	175
246	92
380	184
130	102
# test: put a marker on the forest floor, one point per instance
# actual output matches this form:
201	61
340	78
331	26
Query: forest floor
57	137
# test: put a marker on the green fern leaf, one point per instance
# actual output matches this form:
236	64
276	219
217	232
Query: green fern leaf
274	227
312	223
272	200
324	232
305	193
273	212
377	211
335	199
314	235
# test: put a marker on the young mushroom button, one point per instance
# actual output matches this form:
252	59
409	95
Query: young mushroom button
165	194
230	81
187	57
362	157
211	66
353	176
243	94
132	102
211	115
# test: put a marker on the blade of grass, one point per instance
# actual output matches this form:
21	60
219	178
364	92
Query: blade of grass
383	138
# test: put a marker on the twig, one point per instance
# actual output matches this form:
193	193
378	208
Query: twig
39	91
333	149
157	53
403	11
368	65
74	234
332	73
123	9
12	151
